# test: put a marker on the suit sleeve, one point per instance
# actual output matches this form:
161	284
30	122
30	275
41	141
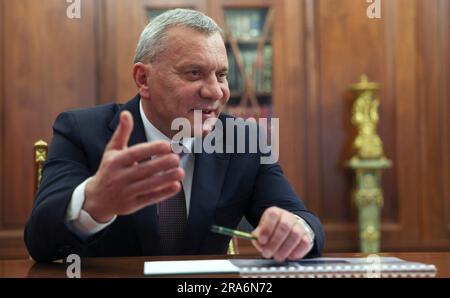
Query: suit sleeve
272	189
47	235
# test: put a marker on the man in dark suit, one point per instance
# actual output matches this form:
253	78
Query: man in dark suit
113	187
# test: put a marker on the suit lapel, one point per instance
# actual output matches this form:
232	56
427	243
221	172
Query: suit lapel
138	133
145	220
209	175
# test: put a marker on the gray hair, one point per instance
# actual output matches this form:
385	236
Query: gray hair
151	40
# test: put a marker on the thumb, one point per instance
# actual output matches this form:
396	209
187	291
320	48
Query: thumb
122	134
256	232
255	242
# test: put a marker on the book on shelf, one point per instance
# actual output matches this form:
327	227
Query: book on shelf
262	77
267	70
246	24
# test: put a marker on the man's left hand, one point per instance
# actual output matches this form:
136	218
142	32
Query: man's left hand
281	236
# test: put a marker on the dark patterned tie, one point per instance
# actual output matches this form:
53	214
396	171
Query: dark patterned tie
172	219
172	223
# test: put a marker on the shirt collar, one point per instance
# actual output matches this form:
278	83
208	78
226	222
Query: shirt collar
154	134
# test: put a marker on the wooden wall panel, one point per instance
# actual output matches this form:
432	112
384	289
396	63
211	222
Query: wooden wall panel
346	44
121	24
343	41
289	104
444	36
313	190
402	73
404	52
2	118
49	66
434	91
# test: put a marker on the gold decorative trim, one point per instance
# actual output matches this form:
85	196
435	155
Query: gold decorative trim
40	156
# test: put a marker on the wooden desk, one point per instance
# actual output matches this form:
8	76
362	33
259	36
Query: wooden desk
133	266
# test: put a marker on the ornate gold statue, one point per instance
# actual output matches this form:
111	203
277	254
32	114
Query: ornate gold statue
368	161
365	116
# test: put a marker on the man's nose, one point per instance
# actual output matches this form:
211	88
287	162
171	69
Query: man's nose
211	89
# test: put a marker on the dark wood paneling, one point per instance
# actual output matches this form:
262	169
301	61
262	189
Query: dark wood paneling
344	37
50	62
289	103
2	118
434	93
341	35
121	24
313	190
49	66
403	127
444	36
342	43
404	51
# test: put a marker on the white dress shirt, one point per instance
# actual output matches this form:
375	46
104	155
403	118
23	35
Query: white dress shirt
81	222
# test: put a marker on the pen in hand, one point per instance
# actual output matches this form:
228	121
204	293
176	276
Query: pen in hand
231	232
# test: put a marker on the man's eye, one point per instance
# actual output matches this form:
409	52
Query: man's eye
222	76
194	73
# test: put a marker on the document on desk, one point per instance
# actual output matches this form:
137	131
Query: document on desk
190	267
316	267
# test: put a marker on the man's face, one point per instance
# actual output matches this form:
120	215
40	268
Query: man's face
190	74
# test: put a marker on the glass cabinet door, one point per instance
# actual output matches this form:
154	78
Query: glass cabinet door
249	47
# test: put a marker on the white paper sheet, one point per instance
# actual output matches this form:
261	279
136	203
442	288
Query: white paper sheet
189	267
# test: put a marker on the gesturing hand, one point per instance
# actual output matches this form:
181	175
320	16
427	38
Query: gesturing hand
127	180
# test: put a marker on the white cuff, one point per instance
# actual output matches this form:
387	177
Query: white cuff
80	221
309	231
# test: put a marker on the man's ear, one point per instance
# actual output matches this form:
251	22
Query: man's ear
140	75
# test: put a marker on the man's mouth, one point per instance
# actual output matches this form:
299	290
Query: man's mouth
204	119
206	112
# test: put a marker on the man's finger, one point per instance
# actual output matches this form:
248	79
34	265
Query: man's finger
149	168
279	236
301	250
159	195
267	224
122	134
255	242
290	244
142	152
155	182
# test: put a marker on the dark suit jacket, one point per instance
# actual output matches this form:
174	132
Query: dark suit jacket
225	188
